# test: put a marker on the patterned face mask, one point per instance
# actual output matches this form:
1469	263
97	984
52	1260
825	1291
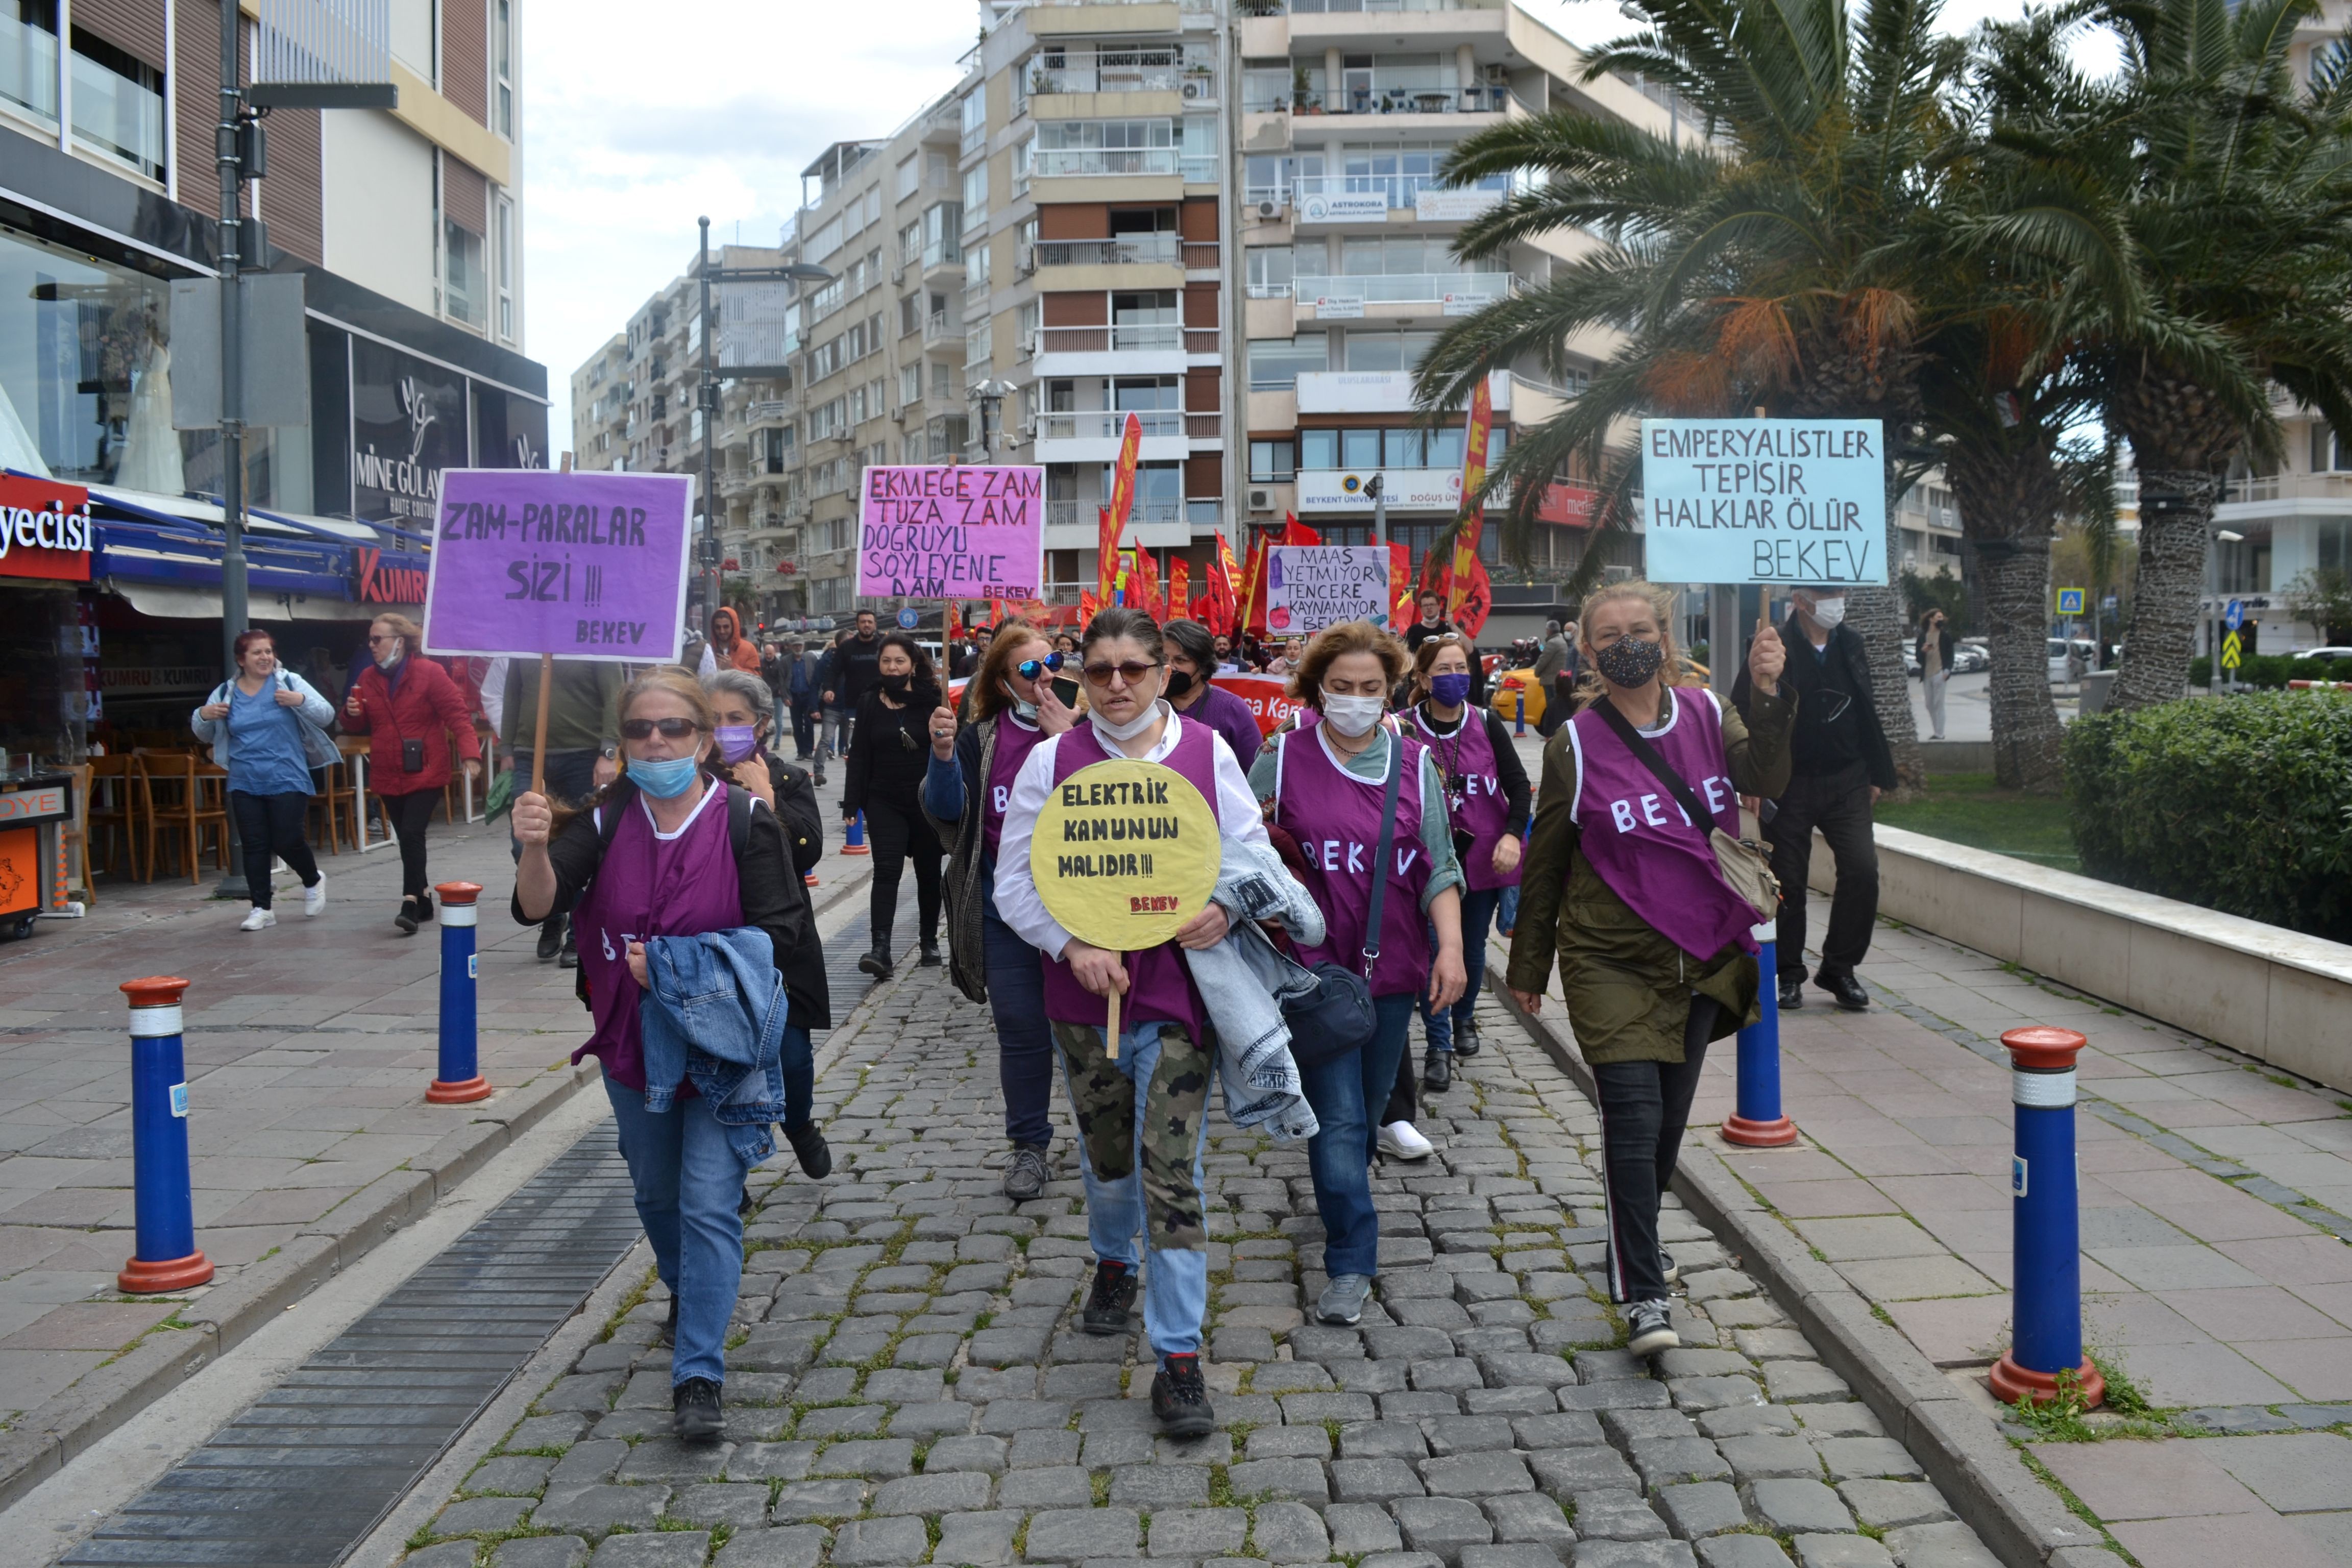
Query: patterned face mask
1629	662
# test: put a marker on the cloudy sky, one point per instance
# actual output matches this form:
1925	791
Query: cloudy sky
637	118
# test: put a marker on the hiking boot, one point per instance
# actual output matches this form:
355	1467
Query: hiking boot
1466	1042
1437	1072
695	1416
811	1149
1026	1173
1111	1305
1649	1329
1179	1398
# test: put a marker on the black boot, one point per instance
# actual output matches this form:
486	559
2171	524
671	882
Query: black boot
930	958
878	964
1437	1072
550	937
811	1149
1466	1042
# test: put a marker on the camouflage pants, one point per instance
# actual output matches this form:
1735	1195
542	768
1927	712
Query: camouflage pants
1175	1104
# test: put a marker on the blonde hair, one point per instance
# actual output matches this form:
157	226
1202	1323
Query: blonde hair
1335	642
411	635
1661	603
677	681
985	694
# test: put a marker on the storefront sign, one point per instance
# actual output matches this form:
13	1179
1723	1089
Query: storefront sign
1570	506
151	680
1408	490
1338	308
1310	586
46	530
1344	207
584	565
1764	501
1451	207
1465	304
941	531
408	427
382	585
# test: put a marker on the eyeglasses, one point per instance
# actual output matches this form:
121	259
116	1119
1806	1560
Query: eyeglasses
1130	672
671	728
1031	668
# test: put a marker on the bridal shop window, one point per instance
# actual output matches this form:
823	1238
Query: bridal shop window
85	370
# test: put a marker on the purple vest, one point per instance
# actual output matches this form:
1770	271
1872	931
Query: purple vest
1336	818
1014	741
647	888
1159	988
1474	793
1638	839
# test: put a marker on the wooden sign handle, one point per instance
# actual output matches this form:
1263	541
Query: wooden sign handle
538	727
1110	1038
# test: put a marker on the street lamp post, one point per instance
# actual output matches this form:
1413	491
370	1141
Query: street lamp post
228	152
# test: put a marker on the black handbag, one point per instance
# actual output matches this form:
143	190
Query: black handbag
1337	1016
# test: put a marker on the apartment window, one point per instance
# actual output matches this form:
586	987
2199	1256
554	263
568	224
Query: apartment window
911	446
1272	462
943	386
502	62
503	217
1275	363
117	99
910	175
2327	452
942	235
972	112
464	295
1267	270
1387	351
910	243
975	192
910	314
975	266
911	384
1145	393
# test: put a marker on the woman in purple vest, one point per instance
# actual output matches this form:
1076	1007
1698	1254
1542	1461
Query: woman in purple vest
1326	783
670	866
1012	708
1656	953
1141	1117
1488	793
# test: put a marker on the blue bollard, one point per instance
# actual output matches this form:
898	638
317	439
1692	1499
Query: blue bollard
460	1081
1758	1122
1519	725
854	842
164	1257
2046	1225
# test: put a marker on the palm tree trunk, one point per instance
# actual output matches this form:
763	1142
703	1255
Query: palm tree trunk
1878	615
2009	495
2176	513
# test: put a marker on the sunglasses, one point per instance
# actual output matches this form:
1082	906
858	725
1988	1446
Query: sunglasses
1031	668
1132	672
671	728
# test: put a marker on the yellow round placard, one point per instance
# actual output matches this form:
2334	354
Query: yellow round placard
1126	852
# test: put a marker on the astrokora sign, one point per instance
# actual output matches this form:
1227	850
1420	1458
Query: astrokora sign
1310	586
578	565
971	530
1764	501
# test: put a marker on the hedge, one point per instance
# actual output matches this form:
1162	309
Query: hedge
2243	805
2272	670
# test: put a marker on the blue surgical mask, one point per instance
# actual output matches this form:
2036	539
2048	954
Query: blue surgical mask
1451	689
664	779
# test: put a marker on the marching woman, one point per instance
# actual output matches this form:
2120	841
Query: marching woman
411	708
1623	888
888	758
1486	792
1342	786
1012	708
671	851
1142	1114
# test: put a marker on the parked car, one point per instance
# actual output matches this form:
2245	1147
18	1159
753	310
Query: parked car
2342	654
1911	661
1970	658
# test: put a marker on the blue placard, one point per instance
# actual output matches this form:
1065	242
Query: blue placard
908	620
2235	615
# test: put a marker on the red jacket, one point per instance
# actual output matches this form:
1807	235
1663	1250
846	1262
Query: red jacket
425	705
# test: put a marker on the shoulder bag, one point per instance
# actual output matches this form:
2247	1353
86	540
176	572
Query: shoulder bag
1336	1015
1745	868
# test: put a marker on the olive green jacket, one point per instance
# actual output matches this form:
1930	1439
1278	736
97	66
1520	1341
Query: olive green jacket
1628	986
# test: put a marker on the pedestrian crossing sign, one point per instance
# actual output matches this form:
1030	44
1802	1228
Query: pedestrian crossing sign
2070	601
2231	653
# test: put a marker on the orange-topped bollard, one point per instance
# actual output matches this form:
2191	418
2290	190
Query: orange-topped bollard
164	1257
2046	1346
460	1081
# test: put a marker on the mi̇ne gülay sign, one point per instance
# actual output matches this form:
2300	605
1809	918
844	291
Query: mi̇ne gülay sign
1765	501
952	531
580	565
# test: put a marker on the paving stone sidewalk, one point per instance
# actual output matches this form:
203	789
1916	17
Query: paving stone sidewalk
908	1384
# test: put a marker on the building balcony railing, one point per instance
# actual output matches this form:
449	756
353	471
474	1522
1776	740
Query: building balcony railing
1106	79
1145	337
1110	424
1059	162
1483	99
1405	288
1344	7
1150	513
2288	487
936	329
1128	250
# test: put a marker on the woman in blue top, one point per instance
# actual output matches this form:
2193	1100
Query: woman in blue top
269	729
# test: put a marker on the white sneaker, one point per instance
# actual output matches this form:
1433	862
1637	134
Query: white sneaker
257	920
314	897
1403	1141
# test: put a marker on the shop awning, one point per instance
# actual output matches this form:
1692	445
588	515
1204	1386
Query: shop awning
175	601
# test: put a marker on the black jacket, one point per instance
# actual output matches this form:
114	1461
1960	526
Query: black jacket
1829	734
1944	645
881	765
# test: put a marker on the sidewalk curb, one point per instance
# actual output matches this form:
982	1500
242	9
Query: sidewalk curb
1979	1473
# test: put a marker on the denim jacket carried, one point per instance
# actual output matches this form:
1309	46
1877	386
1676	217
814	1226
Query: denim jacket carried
715	1015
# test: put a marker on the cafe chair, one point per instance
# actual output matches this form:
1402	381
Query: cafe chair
187	799
117	817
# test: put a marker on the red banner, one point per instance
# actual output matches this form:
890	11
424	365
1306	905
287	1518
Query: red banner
1146	596
1251	614
1401	612
1465	569
1224	588
1106	556
1180	585
1088	605
1264	693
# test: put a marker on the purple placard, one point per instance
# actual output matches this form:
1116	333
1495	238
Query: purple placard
971	530
579	565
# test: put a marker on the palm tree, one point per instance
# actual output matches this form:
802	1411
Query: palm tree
1759	268
2214	192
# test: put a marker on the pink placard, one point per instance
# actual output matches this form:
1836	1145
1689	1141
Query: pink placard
952	531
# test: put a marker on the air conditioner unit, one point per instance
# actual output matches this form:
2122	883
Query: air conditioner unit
1261	500
897	414
1024	260
897	275
1269	209
1196	90
1024	433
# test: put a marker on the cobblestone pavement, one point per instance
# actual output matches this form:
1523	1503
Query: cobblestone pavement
908	1384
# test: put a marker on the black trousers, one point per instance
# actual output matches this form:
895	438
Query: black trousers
1839	805
406	814
1558	703
1404	1097
898	834
272	824
1644	1106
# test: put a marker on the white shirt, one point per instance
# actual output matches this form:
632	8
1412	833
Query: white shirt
1017	903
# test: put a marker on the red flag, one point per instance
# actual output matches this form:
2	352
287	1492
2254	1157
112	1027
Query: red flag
1106	557
1296	533
1145	595
955	628
996	612
1401	613
1473	597
1467	572
1180	585
1251	609
1225	587
1088	607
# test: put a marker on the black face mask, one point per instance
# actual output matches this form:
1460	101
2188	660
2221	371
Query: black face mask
897	685
1180	681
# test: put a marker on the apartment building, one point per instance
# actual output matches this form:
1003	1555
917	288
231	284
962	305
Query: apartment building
405	223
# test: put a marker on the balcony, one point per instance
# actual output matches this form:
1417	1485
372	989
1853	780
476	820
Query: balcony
1161	523
938	333
1103	79
1066	163
1484	99
1133	250
1369	198
1095	435
1127	349
1345	298
768	411
2273	495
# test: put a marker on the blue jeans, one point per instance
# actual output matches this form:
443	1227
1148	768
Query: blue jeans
799	1061
1024	1041
1176	1288
1343	1093
1477	918
688	1181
